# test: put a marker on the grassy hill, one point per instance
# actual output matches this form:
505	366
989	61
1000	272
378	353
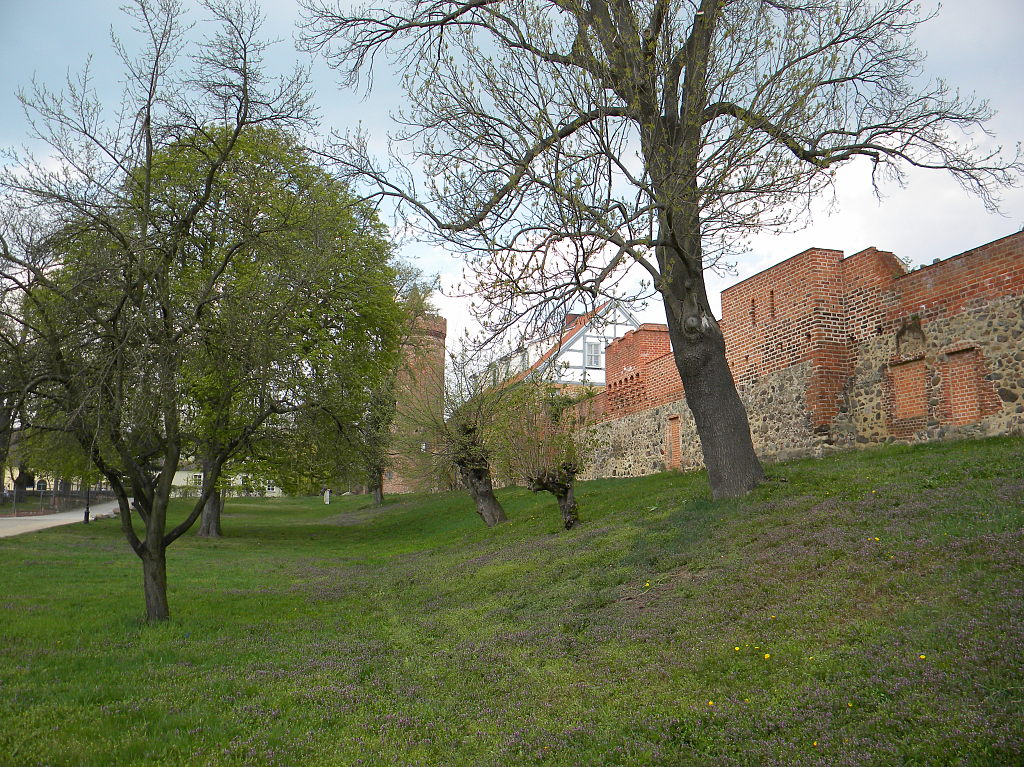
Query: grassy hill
865	609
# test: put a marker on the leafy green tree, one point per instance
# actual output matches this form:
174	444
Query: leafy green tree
201	280
314	265
332	446
56	454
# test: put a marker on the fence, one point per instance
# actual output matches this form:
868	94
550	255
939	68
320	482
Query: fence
24	503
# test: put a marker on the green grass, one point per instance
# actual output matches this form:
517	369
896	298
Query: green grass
412	635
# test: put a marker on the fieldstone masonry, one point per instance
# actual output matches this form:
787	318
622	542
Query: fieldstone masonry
832	352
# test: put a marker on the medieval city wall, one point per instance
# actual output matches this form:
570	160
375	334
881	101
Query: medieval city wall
832	353
665	437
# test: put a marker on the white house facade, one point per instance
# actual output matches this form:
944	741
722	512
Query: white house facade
188	482
576	355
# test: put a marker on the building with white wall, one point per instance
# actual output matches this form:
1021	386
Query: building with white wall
576	355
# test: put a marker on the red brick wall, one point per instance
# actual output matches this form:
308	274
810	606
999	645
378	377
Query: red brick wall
673	444
945	288
639	369
635	349
774	319
817	306
909	390
966	394
868	284
793	312
663	382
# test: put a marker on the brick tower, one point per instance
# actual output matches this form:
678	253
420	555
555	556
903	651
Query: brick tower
419	402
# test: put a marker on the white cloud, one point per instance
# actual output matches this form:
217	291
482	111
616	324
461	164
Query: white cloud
974	45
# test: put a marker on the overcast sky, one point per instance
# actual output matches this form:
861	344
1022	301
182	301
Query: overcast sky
973	44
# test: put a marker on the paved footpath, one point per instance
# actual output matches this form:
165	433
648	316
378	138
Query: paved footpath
17	525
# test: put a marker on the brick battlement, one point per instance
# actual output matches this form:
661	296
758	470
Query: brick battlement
815	308
640	371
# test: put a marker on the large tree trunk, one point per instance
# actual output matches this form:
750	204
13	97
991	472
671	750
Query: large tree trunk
697	342
377	487
699	350
561	483
718	413
154	584
477	479
209	522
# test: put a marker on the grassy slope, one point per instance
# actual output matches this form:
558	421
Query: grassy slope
338	635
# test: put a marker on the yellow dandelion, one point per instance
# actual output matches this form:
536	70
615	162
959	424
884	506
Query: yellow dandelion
849	705
711	703
647	584
772	618
876	539
815	744
922	657
767	655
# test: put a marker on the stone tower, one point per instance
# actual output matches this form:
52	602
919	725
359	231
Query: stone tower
419	402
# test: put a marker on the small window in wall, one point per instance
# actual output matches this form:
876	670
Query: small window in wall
197	480
270	486
592	354
753	312
910	391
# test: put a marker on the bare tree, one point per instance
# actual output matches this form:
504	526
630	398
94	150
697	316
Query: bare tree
135	328
563	142
448	429
542	440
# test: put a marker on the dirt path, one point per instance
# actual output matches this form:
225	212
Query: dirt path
17	525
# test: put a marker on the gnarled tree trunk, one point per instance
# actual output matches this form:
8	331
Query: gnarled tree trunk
697	342
209	522
718	413
471	457
477	478
561	483
698	345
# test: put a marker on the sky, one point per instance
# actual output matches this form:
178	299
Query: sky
972	44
